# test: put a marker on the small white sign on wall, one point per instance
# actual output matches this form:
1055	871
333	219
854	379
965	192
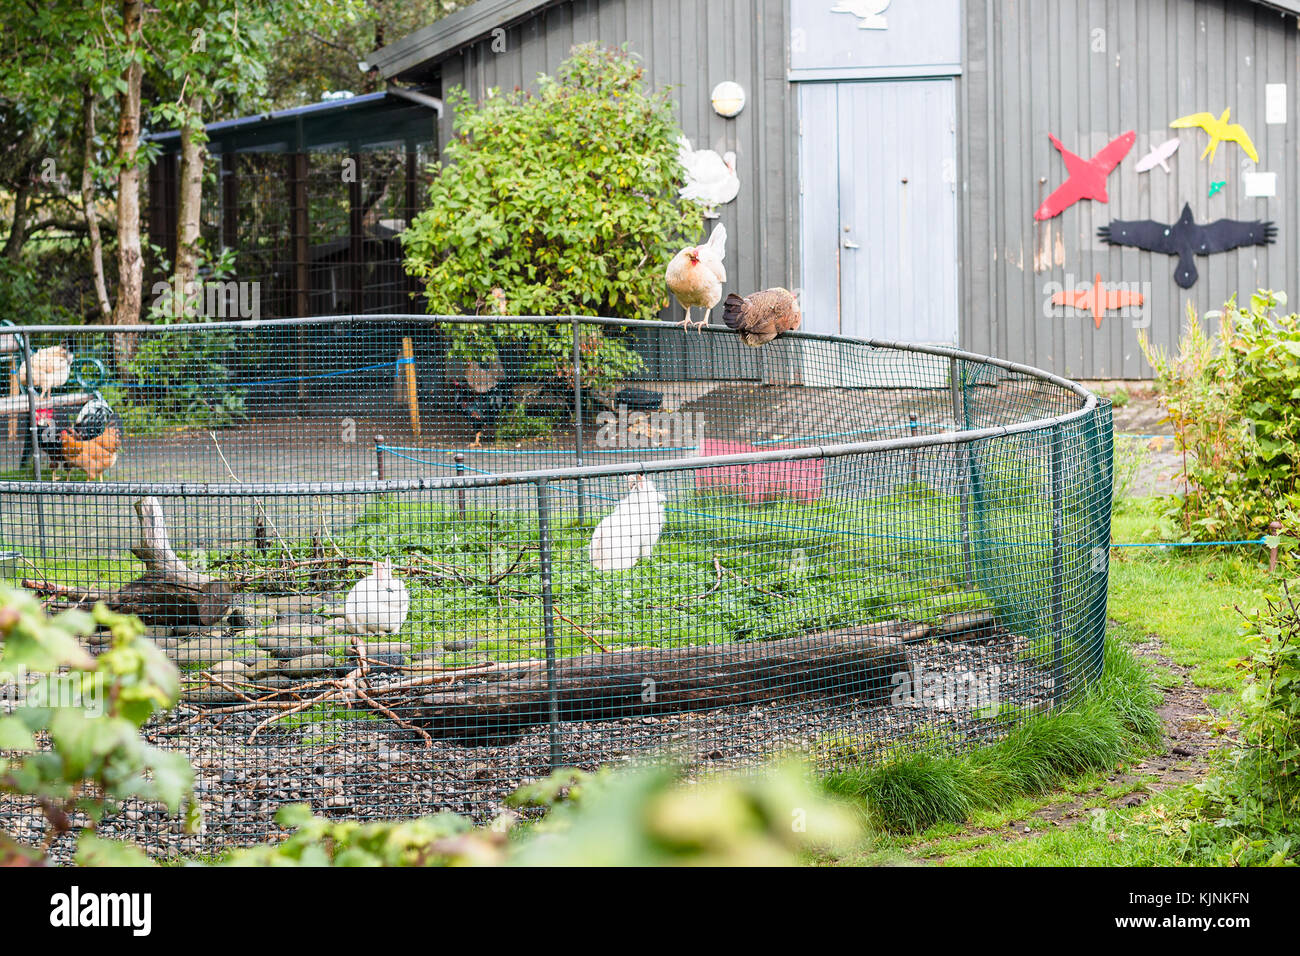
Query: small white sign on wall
1260	184
1275	104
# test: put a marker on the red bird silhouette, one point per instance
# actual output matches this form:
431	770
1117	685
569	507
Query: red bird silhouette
1087	178
1098	299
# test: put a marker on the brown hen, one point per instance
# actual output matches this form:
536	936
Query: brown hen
761	316
95	455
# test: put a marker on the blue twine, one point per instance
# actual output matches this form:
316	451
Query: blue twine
1186	544
860	431
280	381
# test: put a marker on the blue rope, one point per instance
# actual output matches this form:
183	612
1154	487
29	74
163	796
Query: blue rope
860	431
283	381
1186	544
862	534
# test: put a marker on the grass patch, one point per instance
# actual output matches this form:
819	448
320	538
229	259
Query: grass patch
1115	718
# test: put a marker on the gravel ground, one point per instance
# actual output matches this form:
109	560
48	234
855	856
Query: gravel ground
373	769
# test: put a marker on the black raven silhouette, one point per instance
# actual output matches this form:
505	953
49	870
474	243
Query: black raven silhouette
1185	239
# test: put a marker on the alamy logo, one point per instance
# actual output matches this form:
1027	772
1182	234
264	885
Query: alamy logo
648	429
75	909
226	299
971	691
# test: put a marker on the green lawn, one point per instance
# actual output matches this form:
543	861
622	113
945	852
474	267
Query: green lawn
1185	597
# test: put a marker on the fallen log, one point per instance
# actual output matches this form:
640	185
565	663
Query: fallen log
169	593
837	666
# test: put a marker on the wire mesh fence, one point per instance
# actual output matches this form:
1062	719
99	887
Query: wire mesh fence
408	564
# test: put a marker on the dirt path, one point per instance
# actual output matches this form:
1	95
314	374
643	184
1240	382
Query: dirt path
1189	736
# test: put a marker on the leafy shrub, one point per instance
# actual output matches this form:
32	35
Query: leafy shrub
1234	402
1249	811
90	711
648	817
559	203
183	380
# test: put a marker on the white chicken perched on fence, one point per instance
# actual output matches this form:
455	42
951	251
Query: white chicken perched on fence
378	603
696	274
629	532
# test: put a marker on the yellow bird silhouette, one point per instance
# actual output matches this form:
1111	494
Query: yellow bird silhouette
1219	129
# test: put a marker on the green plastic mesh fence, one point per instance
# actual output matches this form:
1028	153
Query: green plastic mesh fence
408	564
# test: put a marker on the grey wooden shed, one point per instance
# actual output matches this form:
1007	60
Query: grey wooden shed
892	153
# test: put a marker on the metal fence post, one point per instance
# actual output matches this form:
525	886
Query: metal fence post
1058	566
548	621
33	436
379	457
958	392
460	492
577	418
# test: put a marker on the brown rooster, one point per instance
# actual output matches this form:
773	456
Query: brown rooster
761	316
94	440
696	274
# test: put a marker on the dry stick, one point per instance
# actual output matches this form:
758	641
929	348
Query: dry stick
256	504
717	582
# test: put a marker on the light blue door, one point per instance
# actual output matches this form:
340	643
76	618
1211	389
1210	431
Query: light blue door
879	209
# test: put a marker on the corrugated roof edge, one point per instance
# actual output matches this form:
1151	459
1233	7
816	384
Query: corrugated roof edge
443	37
451	33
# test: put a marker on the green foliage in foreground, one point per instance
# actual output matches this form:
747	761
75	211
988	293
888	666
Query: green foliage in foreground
1248	811
1115	718
90	710
647	817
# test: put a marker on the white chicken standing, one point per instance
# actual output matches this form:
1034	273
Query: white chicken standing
378	603
696	274
50	369
629	532
711	179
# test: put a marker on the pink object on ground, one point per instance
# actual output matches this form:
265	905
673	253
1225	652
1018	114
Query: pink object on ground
764	481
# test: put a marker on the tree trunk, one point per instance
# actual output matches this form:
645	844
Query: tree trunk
193	156
18	230
88	203
130	261
857	664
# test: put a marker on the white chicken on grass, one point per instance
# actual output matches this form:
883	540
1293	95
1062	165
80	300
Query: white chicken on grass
696	274
378	603
629	532
711	179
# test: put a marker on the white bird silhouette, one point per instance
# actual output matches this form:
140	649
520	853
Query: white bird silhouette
711	179
378	603
1159	156
870	13
629	532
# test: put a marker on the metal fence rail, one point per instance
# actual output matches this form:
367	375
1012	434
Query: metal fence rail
568	549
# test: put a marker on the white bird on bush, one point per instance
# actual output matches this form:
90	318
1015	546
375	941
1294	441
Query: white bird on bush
629	532
378	603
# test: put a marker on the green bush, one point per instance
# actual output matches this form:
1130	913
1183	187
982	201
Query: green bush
558	203
1248	812
1234	403
89	710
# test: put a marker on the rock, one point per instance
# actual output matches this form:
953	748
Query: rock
229	669
292	603
285	647
193	652
459	644
385	652
308	631
309	666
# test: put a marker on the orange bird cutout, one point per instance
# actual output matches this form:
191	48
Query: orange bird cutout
1098	300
